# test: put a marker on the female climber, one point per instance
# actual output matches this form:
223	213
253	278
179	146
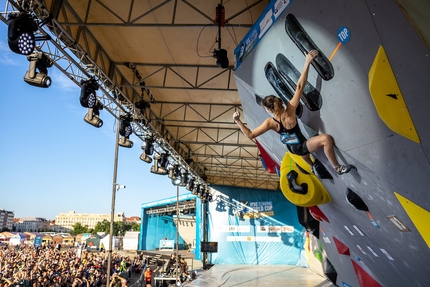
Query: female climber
284	122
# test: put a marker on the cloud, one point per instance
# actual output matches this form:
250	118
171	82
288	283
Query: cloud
62	82
6	56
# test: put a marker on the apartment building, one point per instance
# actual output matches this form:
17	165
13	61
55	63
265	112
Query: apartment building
31	224
65	221
6	219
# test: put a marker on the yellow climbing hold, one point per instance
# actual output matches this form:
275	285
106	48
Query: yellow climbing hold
388	98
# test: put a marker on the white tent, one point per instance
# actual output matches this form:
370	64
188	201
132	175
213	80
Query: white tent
130	240
17	239
105	241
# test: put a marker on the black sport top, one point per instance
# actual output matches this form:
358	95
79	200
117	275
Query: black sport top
290	136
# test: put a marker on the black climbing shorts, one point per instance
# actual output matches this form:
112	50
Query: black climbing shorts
299	149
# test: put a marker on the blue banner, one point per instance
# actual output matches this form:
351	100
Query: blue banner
272	12
254	226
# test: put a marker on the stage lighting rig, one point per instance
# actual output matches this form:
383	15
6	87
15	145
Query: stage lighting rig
221	58
142	106
196	189
220	54
147	150
37	74
202	190
89	100
206	196
125	130
20	34
21	28
175	174
160	164
190	185
184	179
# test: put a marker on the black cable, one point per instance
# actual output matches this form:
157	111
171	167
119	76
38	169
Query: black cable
233	38
197	44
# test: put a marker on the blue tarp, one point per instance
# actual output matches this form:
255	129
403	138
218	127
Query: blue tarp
254	226
156	228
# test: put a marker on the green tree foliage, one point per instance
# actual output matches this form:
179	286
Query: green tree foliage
102	226
119	227
133	226
78	228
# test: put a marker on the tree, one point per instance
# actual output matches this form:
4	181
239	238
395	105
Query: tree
133	226
119	227
102	226
78	228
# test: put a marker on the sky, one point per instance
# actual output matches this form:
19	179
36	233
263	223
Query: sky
52	162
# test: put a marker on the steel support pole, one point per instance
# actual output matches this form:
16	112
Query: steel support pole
112	212
177	234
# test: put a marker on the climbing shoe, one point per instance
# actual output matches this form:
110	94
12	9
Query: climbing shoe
341	169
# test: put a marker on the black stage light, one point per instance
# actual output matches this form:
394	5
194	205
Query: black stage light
184	179
148	149
190	185
89	100
20	34
196	189
142	106
125	130
206	196
221	58
175	174
189	160
201	191
37	74
178	176
160	164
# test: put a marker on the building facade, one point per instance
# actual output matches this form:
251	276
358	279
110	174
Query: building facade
131	219
6	219
31	224
65	221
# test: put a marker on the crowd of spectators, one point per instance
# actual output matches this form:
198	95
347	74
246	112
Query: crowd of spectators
47	266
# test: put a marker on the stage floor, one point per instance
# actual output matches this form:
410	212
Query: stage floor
261	276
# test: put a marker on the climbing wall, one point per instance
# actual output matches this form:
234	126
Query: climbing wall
370	91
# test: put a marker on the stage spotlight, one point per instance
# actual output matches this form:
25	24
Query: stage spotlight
148	149
20	34
89	100
142	106
172	171
125	131
190	185
202	190
206	196
196	189
221	58
37	74
184	179
175	174
160	164
189	160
